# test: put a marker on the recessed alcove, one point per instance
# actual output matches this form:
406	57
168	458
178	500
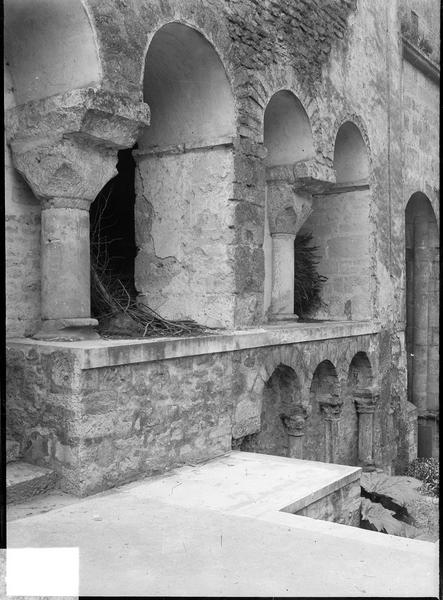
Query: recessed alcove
280	398
422	318
51	48
185	174
287	137
342	229
187	89
359	378
324	390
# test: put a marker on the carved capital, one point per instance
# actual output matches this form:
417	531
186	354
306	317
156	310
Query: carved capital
66	169
295	423
330	406
366	399
287	209
66	146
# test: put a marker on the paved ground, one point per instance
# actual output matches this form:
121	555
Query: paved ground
139	540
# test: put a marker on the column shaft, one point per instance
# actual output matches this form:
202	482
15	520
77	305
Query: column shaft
365	438
282	302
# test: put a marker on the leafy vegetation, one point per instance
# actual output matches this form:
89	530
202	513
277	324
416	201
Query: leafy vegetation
385	503
427	470
307	282
375	517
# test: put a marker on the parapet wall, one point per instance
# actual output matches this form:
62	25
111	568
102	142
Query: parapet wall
101	413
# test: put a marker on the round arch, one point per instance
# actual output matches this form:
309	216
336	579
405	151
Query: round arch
50	47
287	131
281	398
351	160
187	89
325	388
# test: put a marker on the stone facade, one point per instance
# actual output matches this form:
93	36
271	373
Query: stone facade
249	122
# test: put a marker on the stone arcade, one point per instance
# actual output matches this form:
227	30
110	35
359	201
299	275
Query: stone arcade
247	127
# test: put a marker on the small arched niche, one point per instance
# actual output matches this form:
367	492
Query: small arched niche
422	318
360	372
187	89
351	162
50	47
281	396
287	131
324	386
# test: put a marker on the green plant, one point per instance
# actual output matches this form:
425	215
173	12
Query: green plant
426	470
307	282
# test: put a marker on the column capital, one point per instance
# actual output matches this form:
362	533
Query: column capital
295	423
330	406
366	399
66	146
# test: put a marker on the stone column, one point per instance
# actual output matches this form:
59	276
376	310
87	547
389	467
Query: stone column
289	201
66	149
295	428
331	409
282	297
366	401
65	269
422	276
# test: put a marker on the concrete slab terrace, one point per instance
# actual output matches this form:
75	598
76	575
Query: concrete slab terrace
196	531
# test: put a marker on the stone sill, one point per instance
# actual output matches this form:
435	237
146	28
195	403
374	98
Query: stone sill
93	354
420	61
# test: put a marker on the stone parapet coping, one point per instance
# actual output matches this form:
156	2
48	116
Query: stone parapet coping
92	354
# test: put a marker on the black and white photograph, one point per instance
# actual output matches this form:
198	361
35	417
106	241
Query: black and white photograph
220	364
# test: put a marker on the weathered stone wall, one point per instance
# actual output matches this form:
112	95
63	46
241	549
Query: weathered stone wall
342	506
342	231
98	427
22	237
421	114
184	229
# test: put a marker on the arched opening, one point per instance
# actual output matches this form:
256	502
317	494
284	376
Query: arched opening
287	131
341	228
186	87
50	48
324	392
359	379
351	162
281	398
184	181
422	319
288	139
112	242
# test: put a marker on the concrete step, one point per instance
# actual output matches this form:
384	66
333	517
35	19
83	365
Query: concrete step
23	481
12	450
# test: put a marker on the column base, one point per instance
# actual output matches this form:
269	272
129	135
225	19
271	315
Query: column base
283	317
67	330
